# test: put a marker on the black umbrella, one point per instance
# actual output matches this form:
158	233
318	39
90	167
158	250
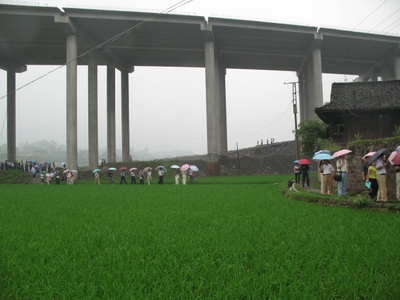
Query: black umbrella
376	155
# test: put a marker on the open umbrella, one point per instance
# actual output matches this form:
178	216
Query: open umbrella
369	154
376	155
175	167
164	169
185	167
395	160
322	152
65	171
122	168
296	161
132	169
96	171
398	149
304	161
322	156
112	169
147	169
341	152
194	168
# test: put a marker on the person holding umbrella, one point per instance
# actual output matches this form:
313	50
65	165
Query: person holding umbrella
380	166
327	172
343	169
305	171
110	175
297	173
133	175
122	174
160	175
96	178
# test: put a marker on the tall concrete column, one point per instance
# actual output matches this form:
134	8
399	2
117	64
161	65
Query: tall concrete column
93	112
309	103
125	115
317	78
11	117
72	131
222	111
397	67
111	140
211	101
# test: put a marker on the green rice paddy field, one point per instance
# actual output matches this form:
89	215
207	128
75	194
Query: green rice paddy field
221	238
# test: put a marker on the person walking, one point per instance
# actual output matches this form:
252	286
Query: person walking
110	175
380	166
397	169
122	174
297	173
184	177
343	169
160	176
97	178
133	177
371	177
149	177
177	173
305	172
327	172
191	176
141	177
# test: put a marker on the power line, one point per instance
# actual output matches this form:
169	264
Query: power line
385	20
369	15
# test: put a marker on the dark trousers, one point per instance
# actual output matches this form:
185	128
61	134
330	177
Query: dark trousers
297	177
133	180
123	180
160	179
374	188
306	178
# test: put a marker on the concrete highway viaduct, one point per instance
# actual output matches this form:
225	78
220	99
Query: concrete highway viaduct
121	40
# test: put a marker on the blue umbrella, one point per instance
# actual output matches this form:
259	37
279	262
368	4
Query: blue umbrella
398	149
322	152
296	161
322	156
96	171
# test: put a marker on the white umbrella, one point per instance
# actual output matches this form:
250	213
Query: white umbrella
194	168
112	169
175	167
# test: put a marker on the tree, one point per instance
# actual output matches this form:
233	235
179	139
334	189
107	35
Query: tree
310	133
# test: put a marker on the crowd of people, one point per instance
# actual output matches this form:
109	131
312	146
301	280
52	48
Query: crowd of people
373	175
147	174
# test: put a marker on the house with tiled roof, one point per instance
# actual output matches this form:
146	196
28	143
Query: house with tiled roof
367	110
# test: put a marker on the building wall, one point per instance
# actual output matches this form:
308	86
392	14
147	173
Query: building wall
371	125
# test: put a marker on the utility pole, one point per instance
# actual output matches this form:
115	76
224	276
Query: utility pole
294	100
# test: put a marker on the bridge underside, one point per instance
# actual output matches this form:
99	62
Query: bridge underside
121	40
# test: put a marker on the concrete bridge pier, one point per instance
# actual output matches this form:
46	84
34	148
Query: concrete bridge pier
111	141
93	112
72	116
215	103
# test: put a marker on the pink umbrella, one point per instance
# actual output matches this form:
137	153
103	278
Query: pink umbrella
132	169
395	159
67	170
185	167
341	152
369	154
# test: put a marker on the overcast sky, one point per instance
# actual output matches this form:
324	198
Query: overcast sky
167	105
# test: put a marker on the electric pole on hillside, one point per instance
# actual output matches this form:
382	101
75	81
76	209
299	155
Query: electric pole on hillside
294	100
